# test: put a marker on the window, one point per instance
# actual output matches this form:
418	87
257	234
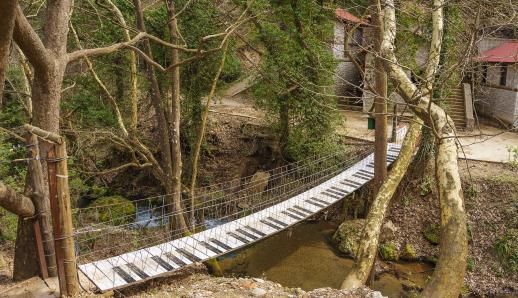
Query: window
503	75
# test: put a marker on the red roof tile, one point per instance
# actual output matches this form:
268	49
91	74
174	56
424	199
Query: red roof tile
344	15
506	52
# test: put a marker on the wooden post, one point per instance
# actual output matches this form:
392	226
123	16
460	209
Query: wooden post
65	223
43	229
61	211
39	248
394	124
54	209
380	108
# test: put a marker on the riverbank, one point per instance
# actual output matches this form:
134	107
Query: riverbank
491	202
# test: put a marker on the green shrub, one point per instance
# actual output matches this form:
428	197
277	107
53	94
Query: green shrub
426	185
8	225
513	156
506	249
470	266
472	191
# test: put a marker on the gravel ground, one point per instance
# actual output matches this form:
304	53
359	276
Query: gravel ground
200	285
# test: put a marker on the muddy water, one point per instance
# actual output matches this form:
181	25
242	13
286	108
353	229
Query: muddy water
303	257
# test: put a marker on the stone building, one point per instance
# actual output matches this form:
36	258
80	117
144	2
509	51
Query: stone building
349	83
497	96
348	79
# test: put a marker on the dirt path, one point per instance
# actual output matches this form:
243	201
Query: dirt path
488	144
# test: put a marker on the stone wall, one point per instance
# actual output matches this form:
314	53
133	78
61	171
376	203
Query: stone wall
498	102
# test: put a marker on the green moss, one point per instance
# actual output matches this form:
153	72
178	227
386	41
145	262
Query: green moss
115	210
432	233
389	252
431	259
347	236
408	253
504	179
506	249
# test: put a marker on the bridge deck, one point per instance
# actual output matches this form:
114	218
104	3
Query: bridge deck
150	262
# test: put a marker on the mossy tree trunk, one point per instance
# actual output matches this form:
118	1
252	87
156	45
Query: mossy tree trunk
174	109
366	253
7	17
448	275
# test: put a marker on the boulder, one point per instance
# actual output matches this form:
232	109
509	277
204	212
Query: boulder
259	181
258	292
113	209
347	236
388	232
408	253
389	252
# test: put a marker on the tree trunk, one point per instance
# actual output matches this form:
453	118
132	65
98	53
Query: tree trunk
133	68
448	275
367	249
15	202
7	17
201	132
25	256
380	107
284	125
49	68
175	118
46	94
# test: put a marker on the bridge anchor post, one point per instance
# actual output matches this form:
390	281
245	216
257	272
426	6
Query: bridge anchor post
62	220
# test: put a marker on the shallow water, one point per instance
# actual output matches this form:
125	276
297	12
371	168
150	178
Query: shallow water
303	257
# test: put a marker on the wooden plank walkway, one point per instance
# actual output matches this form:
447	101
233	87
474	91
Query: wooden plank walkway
143	264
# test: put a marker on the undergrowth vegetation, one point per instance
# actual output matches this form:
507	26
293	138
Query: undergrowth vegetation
506	249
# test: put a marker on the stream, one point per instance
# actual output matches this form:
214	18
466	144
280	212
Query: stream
303	257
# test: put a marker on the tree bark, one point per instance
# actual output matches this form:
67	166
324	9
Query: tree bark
367	249
380	107
175	118
133	68
49	63
448	275
15	202
7	18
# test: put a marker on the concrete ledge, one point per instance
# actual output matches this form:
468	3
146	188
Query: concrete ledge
468	104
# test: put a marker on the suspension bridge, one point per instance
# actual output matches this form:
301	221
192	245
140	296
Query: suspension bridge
114	249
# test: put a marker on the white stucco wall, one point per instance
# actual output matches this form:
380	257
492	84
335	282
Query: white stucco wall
346	74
